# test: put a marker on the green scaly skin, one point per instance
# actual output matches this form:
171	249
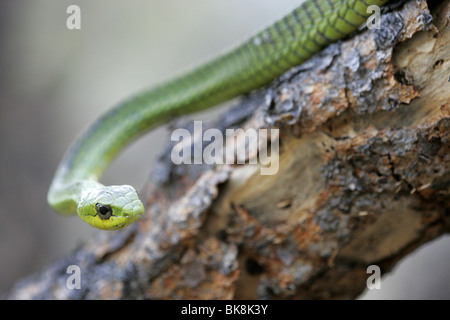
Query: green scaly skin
288	42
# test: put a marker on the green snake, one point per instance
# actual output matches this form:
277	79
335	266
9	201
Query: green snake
288	42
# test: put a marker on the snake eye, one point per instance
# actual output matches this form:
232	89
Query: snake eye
104	212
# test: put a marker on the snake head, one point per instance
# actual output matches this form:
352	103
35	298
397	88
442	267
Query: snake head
111	207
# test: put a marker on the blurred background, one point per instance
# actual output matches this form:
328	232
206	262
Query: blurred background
55	81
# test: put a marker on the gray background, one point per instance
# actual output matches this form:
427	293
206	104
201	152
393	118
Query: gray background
55	81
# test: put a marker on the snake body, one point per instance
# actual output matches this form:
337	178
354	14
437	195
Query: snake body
288	42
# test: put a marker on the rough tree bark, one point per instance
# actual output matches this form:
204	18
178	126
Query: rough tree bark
363	179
